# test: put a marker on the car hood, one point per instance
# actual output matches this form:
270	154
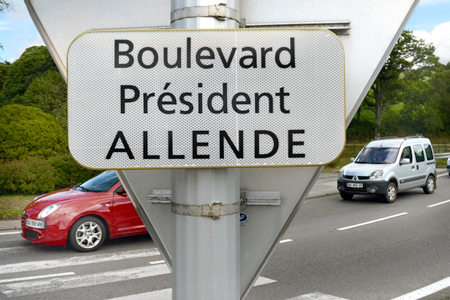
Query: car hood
363	169
60	196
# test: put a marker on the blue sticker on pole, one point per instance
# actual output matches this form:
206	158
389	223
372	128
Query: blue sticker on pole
243	218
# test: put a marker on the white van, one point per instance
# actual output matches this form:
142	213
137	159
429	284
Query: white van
389	165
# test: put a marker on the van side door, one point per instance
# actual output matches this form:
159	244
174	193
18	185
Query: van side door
421	166
406	171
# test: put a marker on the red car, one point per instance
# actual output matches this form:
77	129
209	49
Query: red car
84	215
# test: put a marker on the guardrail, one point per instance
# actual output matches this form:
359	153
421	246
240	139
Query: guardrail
441	155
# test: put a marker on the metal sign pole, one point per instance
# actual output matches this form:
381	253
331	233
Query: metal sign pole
205	202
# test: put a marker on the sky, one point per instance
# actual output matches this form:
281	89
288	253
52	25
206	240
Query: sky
430	22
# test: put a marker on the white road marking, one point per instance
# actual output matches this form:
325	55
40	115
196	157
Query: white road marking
445	174
426	291
10	233
76	261
436	204
371	222
157	262
166	294
56	284
36	277
286	241
316	296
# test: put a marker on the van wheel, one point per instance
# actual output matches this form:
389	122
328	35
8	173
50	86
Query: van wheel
430	185
391	193
87	234
346	196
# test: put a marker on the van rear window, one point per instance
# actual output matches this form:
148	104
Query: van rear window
429	152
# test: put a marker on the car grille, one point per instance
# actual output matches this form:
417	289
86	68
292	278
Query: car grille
30	234
359	177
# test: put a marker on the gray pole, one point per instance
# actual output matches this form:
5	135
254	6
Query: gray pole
205	249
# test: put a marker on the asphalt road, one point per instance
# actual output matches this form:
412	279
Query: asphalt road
334	249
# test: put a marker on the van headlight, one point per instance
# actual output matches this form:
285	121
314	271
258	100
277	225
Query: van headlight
341	173
48	210
376	174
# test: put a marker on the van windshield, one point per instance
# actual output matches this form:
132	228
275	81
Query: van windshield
377	156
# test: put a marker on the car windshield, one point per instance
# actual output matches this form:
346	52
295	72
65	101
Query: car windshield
101	183
377	156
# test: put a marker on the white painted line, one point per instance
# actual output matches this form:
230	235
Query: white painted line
63	283
263	280
371	222
426	291
286	241
157	262
166	294
316	296
36	277
445	174
436	204
76	261
10	233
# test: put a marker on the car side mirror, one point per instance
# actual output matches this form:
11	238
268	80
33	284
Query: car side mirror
405	161
352	159
122	191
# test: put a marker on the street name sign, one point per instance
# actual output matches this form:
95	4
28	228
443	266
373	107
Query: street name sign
206	98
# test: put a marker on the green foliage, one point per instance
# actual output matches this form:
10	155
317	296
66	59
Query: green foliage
28	131
406	72
69	172
35	175
4	67
49	93
32	63
29	176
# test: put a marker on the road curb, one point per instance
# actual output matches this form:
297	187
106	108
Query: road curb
10	225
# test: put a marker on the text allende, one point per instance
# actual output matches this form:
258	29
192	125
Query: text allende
200	146
204	57
216	103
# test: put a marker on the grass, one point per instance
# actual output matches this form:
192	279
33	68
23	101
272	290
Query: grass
11	206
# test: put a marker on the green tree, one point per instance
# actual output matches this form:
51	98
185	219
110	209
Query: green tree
407	70
49	93
28	131
4	67
32	63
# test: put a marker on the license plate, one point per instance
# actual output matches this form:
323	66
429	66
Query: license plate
354	185
36	223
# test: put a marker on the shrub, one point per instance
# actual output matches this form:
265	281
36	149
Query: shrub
69	172
28	131
31	176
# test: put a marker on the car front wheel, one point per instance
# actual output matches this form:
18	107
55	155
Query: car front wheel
430	185
87	234
391	193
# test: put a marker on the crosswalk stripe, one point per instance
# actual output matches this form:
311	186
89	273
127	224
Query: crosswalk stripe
36	277
166	294
76	261
56	284
316	296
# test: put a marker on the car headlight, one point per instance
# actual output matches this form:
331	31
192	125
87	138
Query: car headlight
48	210
376	174
341	173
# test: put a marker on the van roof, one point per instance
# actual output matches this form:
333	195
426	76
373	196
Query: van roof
394	142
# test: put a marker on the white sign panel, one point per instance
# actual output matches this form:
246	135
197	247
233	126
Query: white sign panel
206	98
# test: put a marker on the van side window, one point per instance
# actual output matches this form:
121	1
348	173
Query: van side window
418	150
407	153
429	152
